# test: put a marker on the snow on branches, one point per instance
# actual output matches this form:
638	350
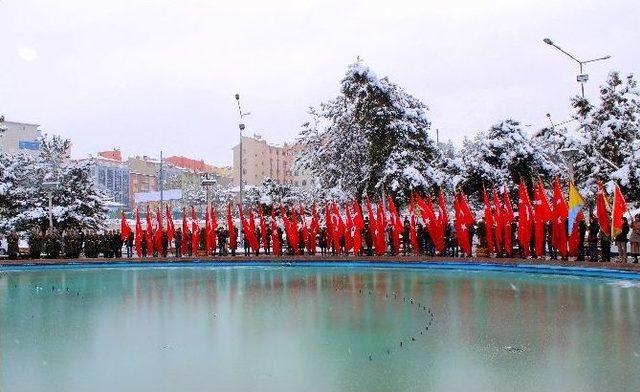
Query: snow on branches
77	202
372	137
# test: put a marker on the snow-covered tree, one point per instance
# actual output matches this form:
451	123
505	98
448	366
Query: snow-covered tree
504	155
609	133
452	166
18	185
372	137
24	198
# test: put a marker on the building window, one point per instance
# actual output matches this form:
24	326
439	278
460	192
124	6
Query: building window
304	182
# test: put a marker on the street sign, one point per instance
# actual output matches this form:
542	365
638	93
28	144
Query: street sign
583	78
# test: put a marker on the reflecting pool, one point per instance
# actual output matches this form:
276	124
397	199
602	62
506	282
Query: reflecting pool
310	328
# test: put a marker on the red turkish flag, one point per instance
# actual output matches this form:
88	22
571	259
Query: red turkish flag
149	233
396	224
195	232
158	233
373	227
602	211
358	223
275	239
138	239
617	212
489	222
381	221
543	215
413	233
560	216
348	235
464	221
125	230
508	220
233	238
498	217
525	219
432	223
171	232
263	225
574	237
185	228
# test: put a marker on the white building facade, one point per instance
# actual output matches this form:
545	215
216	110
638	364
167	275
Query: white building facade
19	137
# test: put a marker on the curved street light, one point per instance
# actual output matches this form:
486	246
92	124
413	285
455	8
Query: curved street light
582	77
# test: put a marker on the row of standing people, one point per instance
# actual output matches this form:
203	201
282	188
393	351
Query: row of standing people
592	243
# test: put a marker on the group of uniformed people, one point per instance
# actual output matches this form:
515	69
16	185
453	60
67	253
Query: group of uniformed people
109	244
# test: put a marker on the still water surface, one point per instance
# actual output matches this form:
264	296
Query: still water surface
278	328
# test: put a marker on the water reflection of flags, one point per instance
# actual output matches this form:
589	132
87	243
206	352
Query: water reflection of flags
576	204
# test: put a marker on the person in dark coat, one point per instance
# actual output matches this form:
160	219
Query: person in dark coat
592	238
420	234
582	227
116	241
245	244
621	240
13	245
258	239
233	248
165	243
548	231
177	241
188	236
406	234
605	246
427	243
322	240
144	243
267	242
300	242
129	243
389	231
368	238
280	239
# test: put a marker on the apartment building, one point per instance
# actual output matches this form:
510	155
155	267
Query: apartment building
260	161
17	137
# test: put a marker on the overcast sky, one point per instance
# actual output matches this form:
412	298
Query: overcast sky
162	74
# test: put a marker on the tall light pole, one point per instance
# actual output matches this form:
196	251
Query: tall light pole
50	186
206	182
582	77
241	126
161	185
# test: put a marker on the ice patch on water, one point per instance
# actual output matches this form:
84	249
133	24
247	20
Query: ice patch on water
513	286
625	284
514	349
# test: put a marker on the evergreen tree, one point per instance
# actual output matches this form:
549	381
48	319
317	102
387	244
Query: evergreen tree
608	147
504	155
372	138
24	203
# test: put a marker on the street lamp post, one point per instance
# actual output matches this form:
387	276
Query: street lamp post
50	186
206	182
582	78
241	126
569	154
